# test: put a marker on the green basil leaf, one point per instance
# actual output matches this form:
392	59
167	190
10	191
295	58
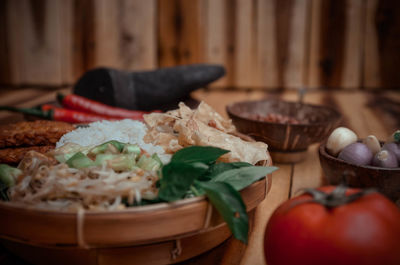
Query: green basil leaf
230	205
177	179
218	168
197	189
203	154
242	177
4	192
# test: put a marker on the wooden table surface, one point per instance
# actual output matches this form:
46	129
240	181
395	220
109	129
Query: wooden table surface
364	112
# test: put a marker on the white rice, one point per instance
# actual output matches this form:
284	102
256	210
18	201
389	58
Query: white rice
125	131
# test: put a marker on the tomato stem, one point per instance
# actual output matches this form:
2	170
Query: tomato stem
337	197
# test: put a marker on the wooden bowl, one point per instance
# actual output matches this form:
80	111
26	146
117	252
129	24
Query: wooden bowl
385	180
287	142
162	233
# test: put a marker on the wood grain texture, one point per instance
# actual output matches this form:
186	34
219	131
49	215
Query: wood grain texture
180	32
169	24
284	16
266	61
244	44
307	174
38	52
371	72
353	45
336	44
271	43
263	44
216	41
219	99
362	118
382	45
328	27
297	53
387	106
220	25
5	67
125	34
83	37
281	180
68	50
14	40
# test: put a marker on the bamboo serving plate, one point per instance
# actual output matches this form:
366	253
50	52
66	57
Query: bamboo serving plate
162	233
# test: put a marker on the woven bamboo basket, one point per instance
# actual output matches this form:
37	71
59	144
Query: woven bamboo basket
156	234
288	143
163	233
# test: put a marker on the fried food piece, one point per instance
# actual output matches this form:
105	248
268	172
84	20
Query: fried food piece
15	155
32	160
205	127
32	133
194	132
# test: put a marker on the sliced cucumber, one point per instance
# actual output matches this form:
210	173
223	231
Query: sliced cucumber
79	160
149	163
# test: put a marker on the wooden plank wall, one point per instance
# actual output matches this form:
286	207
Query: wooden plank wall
264	44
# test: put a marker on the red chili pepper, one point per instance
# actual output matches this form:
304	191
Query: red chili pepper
72	116
50	112
76	102
45	107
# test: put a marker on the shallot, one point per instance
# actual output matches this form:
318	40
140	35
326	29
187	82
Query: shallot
356	153
385	158
394	148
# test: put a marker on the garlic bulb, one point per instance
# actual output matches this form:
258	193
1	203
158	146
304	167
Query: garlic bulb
339	139
373	144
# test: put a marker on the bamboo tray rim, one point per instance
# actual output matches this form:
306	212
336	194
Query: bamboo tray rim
127	210
81	232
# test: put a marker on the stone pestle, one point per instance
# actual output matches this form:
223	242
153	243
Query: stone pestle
146	90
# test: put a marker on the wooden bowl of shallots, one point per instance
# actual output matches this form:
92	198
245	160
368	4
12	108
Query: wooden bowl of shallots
362	163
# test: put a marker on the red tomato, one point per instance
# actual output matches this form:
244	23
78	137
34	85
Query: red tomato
363	232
